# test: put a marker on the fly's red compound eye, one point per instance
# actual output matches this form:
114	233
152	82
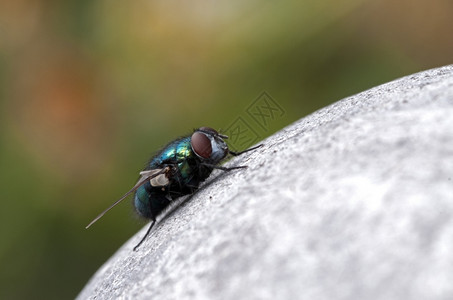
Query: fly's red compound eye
209	129
201	144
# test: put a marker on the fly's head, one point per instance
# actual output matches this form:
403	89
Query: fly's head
209	145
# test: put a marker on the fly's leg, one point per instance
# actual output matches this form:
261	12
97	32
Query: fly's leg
247	150
153	221
234	154
224	168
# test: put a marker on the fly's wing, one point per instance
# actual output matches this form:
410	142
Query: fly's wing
156	177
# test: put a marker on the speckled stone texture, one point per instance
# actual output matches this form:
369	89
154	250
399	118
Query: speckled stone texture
354	201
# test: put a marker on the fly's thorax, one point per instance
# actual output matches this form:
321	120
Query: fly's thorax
209	145
174	152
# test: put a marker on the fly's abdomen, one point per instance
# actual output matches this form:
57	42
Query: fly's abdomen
141	202
150	202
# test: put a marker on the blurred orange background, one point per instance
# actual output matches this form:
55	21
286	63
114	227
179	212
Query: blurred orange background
90	89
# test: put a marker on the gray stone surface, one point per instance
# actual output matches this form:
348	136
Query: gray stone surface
354	201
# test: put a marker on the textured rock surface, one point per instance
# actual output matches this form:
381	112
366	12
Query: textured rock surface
354	201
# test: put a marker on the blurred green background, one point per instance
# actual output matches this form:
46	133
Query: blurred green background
90	89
